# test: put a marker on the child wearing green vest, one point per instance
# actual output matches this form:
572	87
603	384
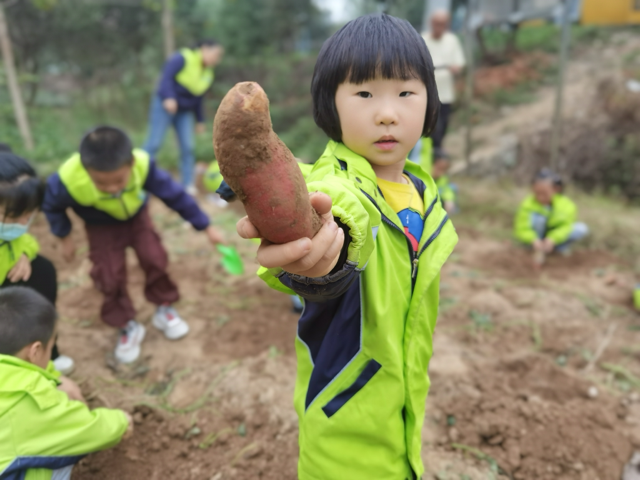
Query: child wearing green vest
422	153
186	77
448	191
21	193
546	219
107	184
370	276
45	428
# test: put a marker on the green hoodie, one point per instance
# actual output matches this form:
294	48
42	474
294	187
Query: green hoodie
561	216
10	253
41	429
366	336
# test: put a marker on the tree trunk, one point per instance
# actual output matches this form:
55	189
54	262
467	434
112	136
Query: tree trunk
167	28
12	80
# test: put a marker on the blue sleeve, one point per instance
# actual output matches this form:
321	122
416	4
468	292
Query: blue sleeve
199	109
325	288
330	286
171	68
162	185
56	201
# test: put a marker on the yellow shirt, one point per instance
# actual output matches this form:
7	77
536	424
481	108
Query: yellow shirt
406	201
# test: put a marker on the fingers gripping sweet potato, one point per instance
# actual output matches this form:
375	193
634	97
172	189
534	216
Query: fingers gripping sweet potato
260	169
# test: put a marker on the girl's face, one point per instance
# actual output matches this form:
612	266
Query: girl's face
22	219
382	119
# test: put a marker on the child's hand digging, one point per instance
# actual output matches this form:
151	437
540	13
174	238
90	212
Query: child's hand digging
307	257
68	248
21	271
71	388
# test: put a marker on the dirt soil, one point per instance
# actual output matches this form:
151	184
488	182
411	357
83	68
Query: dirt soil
515	392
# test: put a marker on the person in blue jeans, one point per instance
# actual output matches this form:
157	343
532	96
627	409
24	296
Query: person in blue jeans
178	101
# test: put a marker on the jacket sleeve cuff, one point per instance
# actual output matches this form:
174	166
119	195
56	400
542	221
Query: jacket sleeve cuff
324	288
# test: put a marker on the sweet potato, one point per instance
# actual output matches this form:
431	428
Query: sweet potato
260	169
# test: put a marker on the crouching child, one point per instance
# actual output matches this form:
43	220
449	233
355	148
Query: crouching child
43	433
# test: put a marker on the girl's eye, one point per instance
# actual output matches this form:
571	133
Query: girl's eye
406	94
364	95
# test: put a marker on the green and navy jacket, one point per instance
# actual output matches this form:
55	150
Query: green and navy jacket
366	335
72	187
10	253
41	430
185	79
561	215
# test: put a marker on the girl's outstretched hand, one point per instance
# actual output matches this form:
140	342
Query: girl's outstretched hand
21	271
307	257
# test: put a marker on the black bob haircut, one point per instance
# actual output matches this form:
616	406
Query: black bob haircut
25	317
106	149
21	191
365	48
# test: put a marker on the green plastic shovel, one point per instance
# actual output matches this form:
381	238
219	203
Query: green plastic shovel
231	260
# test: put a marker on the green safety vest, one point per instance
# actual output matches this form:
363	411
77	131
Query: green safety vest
426	154
444	187
194	76
121	207
560	219
376	433
636	298
41	428
212	177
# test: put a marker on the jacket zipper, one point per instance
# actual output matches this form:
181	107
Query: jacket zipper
124	207
413	256
119	198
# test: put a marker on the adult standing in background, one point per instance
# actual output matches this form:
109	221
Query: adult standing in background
186	77
448	60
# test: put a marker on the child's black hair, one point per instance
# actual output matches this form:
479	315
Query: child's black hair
21	191
25	317
106	149
207	42
439	155
548	175
5	148
367	47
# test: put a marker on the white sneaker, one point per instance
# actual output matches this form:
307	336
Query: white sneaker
128	348
65	365
167	320
191	190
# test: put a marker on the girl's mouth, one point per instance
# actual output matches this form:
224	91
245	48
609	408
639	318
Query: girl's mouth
386	143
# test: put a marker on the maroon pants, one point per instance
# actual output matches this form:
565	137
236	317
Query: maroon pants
107	245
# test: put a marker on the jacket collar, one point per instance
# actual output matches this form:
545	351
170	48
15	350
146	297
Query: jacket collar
17	375
360	168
